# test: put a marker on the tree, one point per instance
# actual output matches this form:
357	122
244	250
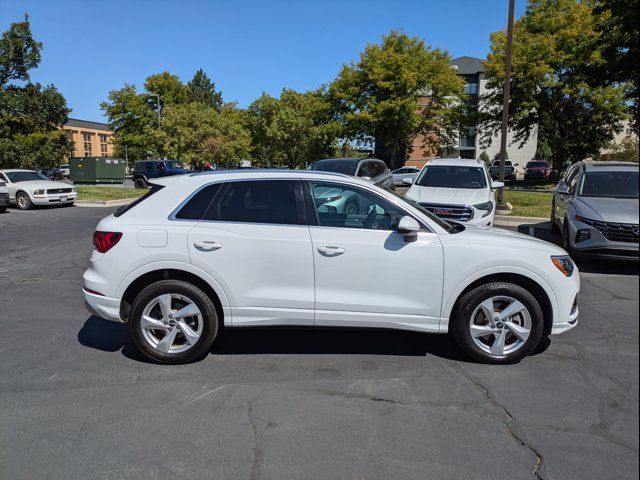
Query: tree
196	134
619	24
293	130
399	89
484	156
202	89
30	114
556	44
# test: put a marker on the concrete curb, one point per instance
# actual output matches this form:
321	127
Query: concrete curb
104	203
514	219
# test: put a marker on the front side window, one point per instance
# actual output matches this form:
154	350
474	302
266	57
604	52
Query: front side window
17	177
365	170
259	201
453	176
344	206
337	166
609	184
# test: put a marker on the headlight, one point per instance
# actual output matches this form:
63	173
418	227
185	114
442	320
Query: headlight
564	264
38	192
487	207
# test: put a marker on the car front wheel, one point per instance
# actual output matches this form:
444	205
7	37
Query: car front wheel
498	323
173	322
23	201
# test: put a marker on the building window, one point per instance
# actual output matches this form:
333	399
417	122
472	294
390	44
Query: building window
104	144
86	139
468	137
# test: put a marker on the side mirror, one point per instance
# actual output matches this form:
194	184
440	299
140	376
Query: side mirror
497	185
407	181
409	227
563	189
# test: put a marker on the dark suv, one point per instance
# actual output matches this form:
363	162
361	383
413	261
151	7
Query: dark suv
144	170
509	170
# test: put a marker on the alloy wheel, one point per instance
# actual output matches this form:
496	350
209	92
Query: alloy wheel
171	323
500	325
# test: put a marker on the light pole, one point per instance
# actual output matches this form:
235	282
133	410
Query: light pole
505	105
157	95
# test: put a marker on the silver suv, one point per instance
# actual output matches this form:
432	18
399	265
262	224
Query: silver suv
595	207
371	170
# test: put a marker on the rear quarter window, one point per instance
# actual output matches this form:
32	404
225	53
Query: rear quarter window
125	208
197	205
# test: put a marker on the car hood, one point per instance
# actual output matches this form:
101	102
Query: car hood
494	235
616	210
449	196
42	184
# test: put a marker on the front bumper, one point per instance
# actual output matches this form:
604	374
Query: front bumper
598	246
103	307
54	199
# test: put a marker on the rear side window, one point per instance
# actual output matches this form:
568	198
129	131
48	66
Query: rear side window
125	208
198	204
261	201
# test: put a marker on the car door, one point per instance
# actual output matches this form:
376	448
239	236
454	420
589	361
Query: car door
11	187
367	274
563	200
255	242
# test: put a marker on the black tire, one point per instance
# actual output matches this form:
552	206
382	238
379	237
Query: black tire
140	183
566	240
554	220
461	317
3	209
23	201
211	322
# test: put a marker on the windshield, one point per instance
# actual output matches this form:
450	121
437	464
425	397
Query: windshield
449	227
506	162
17	177
537	164
452	177
174	164
609	184
338	166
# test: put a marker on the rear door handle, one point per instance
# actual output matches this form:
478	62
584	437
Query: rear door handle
207	246
331	251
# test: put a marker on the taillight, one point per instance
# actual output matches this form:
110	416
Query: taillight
105	241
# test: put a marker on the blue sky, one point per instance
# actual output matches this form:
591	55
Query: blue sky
246	47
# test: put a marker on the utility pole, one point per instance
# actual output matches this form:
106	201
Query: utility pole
505	105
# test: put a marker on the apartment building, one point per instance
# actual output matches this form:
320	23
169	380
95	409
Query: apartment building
91	139
471	69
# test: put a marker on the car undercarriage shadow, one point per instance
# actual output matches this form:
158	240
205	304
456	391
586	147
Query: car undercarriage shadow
110	336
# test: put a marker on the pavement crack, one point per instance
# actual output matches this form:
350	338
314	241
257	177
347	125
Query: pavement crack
536	471
258	453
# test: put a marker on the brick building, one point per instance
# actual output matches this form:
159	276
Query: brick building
91	139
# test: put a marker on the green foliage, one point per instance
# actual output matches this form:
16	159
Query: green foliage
202	89
192	128
626	150
397	90
497	156
484	156
619	23
30	113
293	130
556	45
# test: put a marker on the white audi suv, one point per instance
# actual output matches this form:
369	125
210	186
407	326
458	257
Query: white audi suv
245	248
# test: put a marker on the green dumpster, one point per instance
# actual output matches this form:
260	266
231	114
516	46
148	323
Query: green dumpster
94	170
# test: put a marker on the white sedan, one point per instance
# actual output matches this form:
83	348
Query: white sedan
28	188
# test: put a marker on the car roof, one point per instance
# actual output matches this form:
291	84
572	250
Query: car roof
594	166
15	170
456	162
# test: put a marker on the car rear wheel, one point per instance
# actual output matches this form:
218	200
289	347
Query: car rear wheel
3	209
498	323
140	183
23	201
173	322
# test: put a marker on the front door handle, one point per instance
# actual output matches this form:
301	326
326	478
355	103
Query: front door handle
331	251
207	246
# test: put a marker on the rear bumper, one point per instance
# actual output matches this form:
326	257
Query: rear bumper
103	307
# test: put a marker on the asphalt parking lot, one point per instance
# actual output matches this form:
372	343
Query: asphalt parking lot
78	402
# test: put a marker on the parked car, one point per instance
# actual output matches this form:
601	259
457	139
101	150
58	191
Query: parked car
537	169
52	173
4	196
595	207
369	169
404	172
509	170
145	170
66	171
456	189
28	188
226	249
